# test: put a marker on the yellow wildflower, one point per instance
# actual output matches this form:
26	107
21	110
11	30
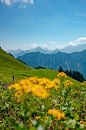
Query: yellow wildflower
57	83
39	91
34	80
67	83
37	117
34	85
44	81
62	74
18	94
50	85
56	113
83	122
14	86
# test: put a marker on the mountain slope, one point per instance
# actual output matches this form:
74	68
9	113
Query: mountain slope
8	61
9	67
74	61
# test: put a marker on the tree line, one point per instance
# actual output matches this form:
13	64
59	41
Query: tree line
74	74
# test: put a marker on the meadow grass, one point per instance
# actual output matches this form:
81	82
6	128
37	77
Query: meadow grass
39	103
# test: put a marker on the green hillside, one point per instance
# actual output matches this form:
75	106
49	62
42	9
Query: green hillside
9	67
7	60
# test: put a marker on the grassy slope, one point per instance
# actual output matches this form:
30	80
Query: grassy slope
9	66
7	60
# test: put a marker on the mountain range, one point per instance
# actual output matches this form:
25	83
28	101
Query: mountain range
20	52
75	61
67	49
72	48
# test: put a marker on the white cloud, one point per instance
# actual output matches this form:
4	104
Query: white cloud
10	2
6	2
80	40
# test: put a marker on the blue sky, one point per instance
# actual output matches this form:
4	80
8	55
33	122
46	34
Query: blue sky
52	24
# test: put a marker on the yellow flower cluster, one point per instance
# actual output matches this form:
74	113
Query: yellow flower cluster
36	86
37	117
39	91
41	119
83	122
30	85
56	113
46	83
62	74
68	83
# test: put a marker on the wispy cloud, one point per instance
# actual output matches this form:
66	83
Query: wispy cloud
6	2
80	14
74	21
10	2
78	41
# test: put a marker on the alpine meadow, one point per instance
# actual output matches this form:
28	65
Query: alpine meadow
42	65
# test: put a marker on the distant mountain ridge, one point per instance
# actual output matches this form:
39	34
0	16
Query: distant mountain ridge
71	48
74	61
67	49
19	52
